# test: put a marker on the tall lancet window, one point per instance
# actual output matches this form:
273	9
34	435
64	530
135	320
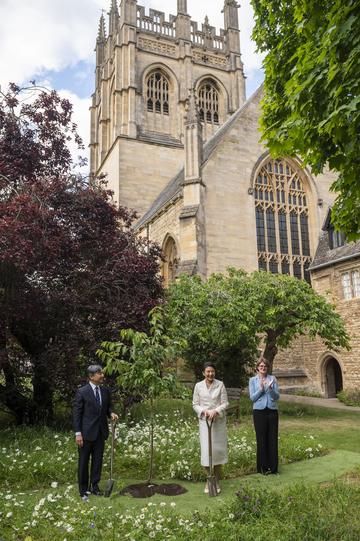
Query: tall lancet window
282	220
209	102
169	265
158	93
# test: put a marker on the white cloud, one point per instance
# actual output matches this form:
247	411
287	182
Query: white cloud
41	35
81	117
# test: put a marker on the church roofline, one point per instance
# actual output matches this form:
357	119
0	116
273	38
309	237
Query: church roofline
326	256
339	255
175	185
211	145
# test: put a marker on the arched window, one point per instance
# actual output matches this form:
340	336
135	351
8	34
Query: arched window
158	93
170	261
282	220
209	102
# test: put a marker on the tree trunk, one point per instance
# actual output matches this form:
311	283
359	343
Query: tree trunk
9	393
271	349
43	393
151	466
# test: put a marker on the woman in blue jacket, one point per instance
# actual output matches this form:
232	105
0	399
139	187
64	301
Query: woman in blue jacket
264	393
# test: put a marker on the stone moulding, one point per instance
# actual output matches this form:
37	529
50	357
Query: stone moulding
189	266
158	47
189	212
199	57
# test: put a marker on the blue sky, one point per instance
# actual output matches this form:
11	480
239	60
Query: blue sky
78	78
52	41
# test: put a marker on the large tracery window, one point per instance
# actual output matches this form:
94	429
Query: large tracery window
158	93
282	220
209	102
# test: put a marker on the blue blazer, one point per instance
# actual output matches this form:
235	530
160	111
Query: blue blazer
263	398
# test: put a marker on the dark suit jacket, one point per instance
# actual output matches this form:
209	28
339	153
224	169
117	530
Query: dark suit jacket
90	419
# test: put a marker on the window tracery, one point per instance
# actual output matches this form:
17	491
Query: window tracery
158	93
209	102
282	220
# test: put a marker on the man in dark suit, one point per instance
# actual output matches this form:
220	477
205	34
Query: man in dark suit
92	408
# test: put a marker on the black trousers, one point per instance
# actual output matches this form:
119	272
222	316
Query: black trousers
266	423
93	450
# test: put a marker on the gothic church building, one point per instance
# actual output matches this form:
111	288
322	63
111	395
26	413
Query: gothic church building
179	141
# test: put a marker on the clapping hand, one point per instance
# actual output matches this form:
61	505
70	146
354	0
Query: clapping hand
272	383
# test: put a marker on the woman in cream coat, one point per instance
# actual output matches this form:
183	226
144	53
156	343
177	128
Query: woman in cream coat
210	401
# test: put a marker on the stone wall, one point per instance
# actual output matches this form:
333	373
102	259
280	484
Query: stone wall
229	202
167	223
137	171
312	356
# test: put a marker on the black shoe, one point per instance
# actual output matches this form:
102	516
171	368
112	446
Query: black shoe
96	491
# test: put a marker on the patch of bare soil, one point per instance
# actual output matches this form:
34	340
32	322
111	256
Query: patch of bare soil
145	490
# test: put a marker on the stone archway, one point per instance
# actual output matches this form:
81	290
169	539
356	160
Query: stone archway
169	265
332	377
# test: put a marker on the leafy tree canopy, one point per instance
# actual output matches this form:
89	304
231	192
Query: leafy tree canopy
311	106
71	270
215	323
141	361
227	318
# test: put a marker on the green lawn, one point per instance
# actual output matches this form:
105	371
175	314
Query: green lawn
318	470
250	507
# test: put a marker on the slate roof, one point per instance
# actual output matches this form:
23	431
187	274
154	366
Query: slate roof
173	190
326	256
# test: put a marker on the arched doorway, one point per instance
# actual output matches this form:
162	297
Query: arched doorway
333	379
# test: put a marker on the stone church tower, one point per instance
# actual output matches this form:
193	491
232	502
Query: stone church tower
179	142
145	68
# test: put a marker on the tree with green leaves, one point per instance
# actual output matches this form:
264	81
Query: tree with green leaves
227	318
287	308
139	361
311	106
214	322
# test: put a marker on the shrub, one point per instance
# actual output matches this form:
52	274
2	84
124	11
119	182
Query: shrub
350	397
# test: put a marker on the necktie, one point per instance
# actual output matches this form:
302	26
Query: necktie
97	395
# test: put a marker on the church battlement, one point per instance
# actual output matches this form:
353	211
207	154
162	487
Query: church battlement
207	37
156	23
